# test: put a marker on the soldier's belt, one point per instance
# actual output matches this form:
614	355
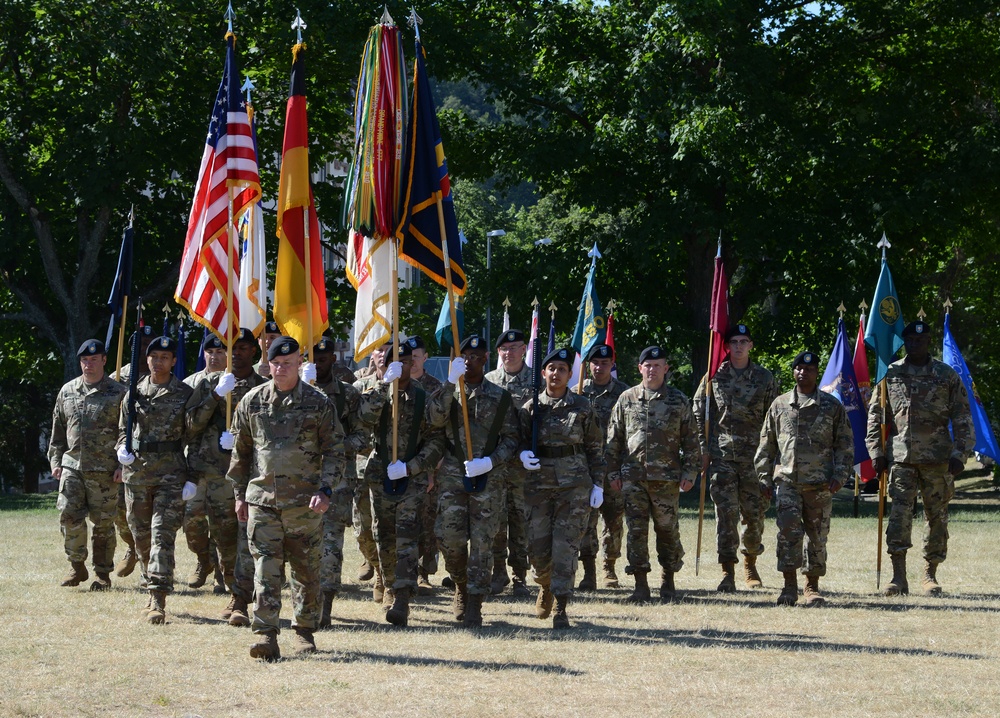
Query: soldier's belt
558	452
159	447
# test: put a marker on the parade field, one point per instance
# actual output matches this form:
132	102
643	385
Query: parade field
68	652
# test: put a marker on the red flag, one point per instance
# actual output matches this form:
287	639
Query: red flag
719	319
610	341
864	386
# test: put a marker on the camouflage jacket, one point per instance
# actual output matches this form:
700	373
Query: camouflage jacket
603	398
445	410
208	420
570	442
652	436
343	373
123	376
519	385
161	431
739	404
85	426
346	400
430	383
921	402
805	440
428	446
288	446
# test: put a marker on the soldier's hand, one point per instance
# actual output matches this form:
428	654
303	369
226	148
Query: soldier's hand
319	503
879	464
615	484
227	441
57	473
955	467
118	475
687	484
478	467
308	372
125	458
766	492
242	511
392	372
189	490
835	486
596	497
396	470
457	370
530	461
227	382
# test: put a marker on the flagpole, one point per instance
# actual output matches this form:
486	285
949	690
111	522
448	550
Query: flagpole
704	476
121	323
230	315
307	257
394	300
883	476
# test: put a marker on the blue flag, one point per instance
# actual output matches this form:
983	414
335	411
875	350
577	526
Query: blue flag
840	381
986	441
443	331
885	325
590	328
122	286
552	336
199	363
425	179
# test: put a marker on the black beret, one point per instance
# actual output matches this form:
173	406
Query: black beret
162	344
213	342
282	346
600	351
917	327
90	348
473	342
245	335
324	346
415	342
810	358
511	335
564	354
271	328
652	352
738	330
405	350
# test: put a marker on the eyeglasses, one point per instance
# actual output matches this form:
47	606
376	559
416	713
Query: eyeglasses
508	348
739	342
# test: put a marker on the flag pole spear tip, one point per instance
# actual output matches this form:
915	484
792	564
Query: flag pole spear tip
841	309
386	17
863	306
947	306
131	214
883	244
718	249
230	16
414	21
298	25
247	87
534	302
921	315
595	253
506	302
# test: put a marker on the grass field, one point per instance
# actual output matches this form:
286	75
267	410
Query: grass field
67	652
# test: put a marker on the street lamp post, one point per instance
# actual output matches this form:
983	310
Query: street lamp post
489	261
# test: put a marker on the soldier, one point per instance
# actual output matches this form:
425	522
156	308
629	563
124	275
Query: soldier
741	394
375	365
654	451
267	337
156	472
565	483
514	376
806	453
362	506
209	455
470	491
397	487
603	391
288	456
923	396
82	457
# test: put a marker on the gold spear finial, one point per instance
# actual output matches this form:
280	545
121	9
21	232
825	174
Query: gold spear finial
842	309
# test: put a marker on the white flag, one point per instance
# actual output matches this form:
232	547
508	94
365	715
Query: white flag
253	272
369	269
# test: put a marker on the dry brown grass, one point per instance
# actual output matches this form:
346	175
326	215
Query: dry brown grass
69	652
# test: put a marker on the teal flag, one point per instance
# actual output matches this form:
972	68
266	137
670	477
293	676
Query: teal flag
591	327
443	331
885	325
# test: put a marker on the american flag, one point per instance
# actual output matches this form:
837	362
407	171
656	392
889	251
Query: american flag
228	169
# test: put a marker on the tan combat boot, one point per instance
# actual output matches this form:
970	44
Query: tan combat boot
77	574
103	583
126	566
589	582
474	611
202	570
500	579
399	613
366	572
667	591
378	590
266	647
424	586
790	593
728	583
750	575
304	642
930	585
324	616
898	586
239	614
610	577
559	618
641	593
460	601
543	604
157	613
811	592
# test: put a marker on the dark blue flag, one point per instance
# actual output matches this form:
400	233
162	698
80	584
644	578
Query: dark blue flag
840	381
122	286
200	362
552	336
986	441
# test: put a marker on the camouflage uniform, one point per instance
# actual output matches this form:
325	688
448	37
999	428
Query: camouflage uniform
362	506
153	482
920	404
557	496
209	464
342	373
603	399
288	446
512	533
739	403
427	545
121	517
467	523
653	446
805	443
396	524
84	434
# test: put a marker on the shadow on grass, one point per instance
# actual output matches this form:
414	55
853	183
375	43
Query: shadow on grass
429	662
837	600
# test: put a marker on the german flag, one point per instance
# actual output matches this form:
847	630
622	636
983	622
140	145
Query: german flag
299	253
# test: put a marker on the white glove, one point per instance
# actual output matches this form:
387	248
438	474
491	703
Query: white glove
530	461
457	370
396	470
596	497
478	467
189	490
124	457
308	372
227	382
227	441
392	372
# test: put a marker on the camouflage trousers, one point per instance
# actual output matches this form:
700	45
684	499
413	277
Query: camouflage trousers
154	516
397	530
803	511
736	494
276	536
511	542
466	526
937	487
335	522
557	519
362	519
612	511
93	495
656	500
218	507
195	524
427	546
121	520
